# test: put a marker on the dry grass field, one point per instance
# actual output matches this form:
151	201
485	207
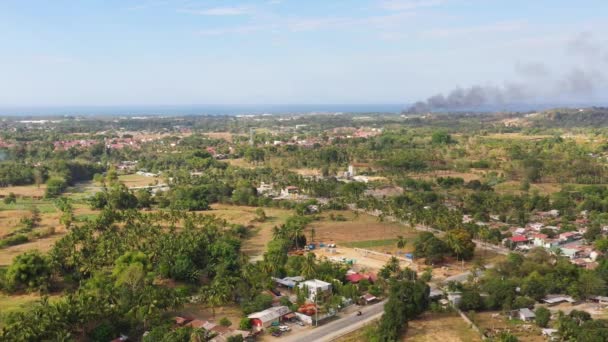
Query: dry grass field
440	327
138	180
24	190
262	231
430	327
431	175
239	162
222	135
43	245
525	332
355	228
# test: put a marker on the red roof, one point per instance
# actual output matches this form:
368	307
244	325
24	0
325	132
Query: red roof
356	277
519	238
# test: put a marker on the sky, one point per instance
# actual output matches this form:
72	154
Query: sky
156	52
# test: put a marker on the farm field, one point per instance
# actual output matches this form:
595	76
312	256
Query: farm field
356	228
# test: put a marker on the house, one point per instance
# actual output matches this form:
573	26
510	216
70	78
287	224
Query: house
539	239
289	282
520	231
290	191
568	237
315	287
537	226
571	253
197	324
526	315
454	298
549	333
265	318
518	240
181	320
355	278
368	298
556	299
265	189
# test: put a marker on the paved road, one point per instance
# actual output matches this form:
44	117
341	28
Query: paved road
339	327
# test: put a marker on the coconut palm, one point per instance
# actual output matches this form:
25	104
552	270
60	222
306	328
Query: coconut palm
401	242
309	267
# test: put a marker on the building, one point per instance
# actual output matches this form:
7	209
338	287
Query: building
290	191
315	287
289	282
264	319
526	315
518	240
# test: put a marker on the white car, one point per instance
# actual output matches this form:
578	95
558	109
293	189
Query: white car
284	328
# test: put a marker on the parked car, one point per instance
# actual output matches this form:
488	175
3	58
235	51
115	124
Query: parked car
277	334
284	328
300	323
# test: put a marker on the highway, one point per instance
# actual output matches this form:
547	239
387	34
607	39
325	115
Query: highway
339	327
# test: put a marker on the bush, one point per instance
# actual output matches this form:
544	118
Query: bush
225	322
55	186
543	315
245	324
471	300
14	240
103	332
11	198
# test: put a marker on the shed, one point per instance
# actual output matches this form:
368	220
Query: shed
263	319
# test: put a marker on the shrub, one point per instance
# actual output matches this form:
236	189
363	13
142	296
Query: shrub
245	324
225	322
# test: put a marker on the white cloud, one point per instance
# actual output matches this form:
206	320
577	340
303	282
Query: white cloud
406	5
219	11
509	26
244	29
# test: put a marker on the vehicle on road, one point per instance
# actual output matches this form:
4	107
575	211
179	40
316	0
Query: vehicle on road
277	334
284	328
300	323
359	313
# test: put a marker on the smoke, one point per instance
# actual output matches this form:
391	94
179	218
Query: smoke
536	81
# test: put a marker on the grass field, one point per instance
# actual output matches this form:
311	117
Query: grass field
371	243
45	206
15	303
138	180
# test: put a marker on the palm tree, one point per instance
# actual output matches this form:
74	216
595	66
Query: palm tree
309	267
296	232
401	242
312	234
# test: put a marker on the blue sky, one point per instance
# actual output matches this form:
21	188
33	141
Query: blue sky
151	52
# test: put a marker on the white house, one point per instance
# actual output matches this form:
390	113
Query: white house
314	287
